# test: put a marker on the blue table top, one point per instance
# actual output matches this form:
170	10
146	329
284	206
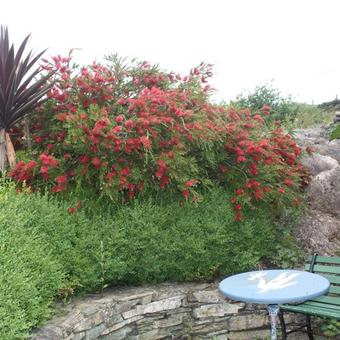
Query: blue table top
274	286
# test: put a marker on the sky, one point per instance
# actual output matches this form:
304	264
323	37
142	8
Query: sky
292	44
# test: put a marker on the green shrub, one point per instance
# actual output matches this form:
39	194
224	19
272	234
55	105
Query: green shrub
48	252
30	276
281	107
123	135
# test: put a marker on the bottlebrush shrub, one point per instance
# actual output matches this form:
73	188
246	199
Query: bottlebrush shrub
122	130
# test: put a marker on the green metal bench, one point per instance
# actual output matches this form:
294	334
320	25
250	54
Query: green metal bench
327	305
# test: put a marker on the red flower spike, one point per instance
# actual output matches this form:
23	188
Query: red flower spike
61	179
96	162
186	194
71	210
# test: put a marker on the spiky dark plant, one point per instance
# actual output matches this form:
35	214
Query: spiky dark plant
20	90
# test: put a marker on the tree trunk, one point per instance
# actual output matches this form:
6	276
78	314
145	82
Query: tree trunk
10	152
3	153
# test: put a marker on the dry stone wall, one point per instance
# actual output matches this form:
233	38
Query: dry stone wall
166	311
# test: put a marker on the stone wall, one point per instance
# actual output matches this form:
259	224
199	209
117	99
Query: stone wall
166	311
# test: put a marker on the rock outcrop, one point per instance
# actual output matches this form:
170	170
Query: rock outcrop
319	229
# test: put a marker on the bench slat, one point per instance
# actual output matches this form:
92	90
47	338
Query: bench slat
325	259
324	269
332	278
313	310
322	305
334	290
332	300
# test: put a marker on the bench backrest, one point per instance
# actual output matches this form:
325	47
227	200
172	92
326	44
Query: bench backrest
329	267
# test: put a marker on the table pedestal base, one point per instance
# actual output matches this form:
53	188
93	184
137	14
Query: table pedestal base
273	310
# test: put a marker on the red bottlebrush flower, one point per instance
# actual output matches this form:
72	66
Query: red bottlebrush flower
239	192
67	156
50	147
268	161
71	210
160	173
44	169
253	169
190	183
241	159
84	159
186	194
161	164
288	182
125	172
38	139
131	187
252	184
146	142
119	119
266	110
179	113
237	207
281	190
58	188
258	118
258	194
233	200
165	180
61	179
19	165
96	162
31	164
129	124
266	189
121	101
239	217
171	154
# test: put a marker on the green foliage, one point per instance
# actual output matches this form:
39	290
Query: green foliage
308	116
281	107
30	276
335	134
330	327
150	240
48	252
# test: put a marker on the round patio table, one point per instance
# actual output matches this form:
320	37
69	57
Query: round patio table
273	287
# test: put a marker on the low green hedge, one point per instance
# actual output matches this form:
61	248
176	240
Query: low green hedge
29	275
48	252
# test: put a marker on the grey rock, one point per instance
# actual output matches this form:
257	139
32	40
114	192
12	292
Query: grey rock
263	334
120	334
121	325
216	310
324	191
155	307
48	332
94	332
317	163
206	296
250	321
318	232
